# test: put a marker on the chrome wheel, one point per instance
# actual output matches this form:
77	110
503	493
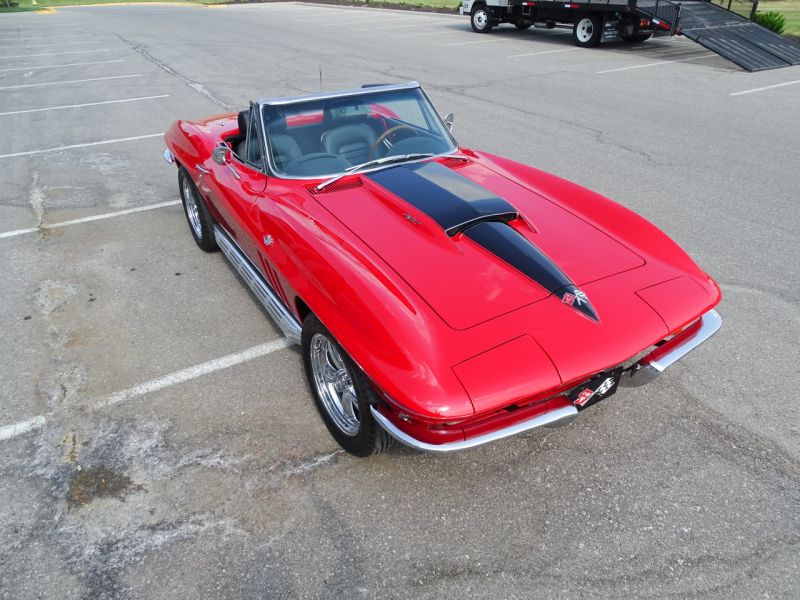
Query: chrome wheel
584	30
334	384
480	18
192	210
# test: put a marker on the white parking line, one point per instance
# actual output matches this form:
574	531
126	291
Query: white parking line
80	64
56	149
33	110
14	430
543	52
46	37
30	85
21	428
425	34
54	53
476	42
15	46
100	217
655	64
194	372
761	89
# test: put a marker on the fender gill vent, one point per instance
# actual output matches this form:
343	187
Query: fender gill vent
339	186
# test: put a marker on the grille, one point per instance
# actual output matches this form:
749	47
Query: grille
338	186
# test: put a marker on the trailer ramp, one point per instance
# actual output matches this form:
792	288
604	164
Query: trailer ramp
724	32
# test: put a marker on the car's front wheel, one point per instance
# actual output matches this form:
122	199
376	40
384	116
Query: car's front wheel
342	393
200	222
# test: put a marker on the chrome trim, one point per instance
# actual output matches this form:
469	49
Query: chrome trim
410	85
647	369
710	324
549	418
202	169
168	157
271	302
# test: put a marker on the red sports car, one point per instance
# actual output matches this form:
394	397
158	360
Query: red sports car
442	296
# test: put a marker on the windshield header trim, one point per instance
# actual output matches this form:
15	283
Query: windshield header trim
375	89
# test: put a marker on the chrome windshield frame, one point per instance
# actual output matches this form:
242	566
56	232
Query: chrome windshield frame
376	89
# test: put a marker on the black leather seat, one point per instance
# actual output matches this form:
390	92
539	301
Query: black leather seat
351	141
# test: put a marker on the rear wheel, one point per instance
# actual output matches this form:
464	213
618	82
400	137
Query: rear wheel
522	26
341	392
200	222
587	31
479	19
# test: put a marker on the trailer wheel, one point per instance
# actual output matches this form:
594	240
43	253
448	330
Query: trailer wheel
587	31
479	19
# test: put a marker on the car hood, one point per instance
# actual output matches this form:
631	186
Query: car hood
474	244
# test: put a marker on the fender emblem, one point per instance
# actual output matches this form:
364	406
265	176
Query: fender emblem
577	298
268	240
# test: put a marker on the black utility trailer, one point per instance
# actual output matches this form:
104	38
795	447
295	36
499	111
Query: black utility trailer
716	26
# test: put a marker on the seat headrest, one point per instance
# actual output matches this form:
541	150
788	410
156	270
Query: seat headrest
242	118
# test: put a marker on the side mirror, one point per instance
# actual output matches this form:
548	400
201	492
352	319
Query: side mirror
448	121
221	155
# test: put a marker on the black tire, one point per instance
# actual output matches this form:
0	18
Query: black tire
588	30
480	20
368	438
201	225
523	26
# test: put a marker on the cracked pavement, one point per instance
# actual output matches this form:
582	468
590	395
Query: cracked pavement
228	485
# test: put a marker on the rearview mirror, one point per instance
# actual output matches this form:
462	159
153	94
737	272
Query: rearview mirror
221	155
448	121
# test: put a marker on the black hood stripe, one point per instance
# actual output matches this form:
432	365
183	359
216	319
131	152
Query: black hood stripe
451	200
459	204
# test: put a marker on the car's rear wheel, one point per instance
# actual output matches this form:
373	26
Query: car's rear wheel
200	222
587	31
342	393
479	19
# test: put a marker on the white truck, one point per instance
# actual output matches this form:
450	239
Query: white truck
593	21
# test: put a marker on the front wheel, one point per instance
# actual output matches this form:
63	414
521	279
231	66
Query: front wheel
200	222
341	392
479	19
587	31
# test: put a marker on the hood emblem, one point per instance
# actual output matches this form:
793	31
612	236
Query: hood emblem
575	298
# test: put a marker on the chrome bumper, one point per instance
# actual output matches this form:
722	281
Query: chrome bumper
644	371
655	363
168	158
549	418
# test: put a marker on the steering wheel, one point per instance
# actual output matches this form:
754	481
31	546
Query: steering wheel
382	137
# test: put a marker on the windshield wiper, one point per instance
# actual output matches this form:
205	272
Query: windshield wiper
386	160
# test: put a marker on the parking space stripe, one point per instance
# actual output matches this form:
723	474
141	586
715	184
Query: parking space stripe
761	89
20	428
655	64
475	42
52	44
80	64
87	145
543	52
47	37
30	85
217	364
54	53
100	217
33	110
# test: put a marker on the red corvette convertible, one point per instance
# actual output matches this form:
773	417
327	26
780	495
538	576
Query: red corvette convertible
442	296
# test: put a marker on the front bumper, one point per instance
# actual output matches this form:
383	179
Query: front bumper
645	370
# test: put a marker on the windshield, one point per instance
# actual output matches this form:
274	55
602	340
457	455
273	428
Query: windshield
328	137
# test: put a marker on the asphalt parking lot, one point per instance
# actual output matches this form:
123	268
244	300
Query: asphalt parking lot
157	438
